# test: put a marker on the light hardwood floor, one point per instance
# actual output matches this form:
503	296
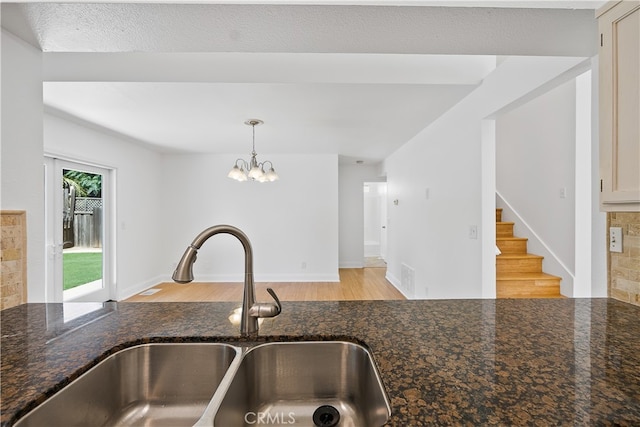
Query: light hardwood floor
355	284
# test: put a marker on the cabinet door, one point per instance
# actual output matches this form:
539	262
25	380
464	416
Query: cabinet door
620	104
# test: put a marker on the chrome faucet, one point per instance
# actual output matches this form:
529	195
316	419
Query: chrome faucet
251	310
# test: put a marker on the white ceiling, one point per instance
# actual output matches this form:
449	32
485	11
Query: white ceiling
362	106
357	81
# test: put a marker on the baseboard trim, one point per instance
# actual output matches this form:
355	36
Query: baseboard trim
122	294
280	278
395	282
351	264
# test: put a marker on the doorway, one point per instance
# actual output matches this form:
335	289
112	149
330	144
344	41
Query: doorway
78	206
375	224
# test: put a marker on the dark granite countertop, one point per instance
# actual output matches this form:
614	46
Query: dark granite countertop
447	362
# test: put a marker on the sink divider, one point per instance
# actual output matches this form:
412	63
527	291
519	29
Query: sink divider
206	420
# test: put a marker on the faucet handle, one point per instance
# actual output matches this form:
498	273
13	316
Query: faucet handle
275	297
266	309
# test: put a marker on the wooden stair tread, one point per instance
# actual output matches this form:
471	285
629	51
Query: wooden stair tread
519	256
505	223
511	238
525	295
526	276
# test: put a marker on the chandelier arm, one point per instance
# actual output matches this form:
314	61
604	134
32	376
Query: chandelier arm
243	163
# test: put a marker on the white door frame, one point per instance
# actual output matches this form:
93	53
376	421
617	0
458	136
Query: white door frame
381	207
54	238
385	222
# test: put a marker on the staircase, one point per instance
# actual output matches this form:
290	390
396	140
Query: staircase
518	273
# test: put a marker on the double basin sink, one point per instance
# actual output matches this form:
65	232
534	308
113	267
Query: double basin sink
307	383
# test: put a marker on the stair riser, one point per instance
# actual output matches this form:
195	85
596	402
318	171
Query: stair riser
498	215
533	265
504	230
528	288
512	246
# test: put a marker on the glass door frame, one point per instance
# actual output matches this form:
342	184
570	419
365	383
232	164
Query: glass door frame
54	167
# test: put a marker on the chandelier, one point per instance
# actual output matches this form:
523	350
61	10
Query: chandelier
253	170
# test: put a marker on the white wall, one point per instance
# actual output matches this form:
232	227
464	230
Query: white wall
351	198
138	193
536	160
163	201
292	223
431	234
21	151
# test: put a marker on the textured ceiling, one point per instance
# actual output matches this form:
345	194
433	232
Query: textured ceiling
126	27
357	81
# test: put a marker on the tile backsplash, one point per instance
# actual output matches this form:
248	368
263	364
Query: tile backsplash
624	268
13	258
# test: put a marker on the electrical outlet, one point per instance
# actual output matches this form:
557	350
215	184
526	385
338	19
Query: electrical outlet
615	239
473	232
303	265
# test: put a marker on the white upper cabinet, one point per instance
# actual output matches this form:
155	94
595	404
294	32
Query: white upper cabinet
619	24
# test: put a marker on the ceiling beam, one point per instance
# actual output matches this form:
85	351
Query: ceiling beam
267	68
129	27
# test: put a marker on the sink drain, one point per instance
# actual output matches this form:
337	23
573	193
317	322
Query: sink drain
326	416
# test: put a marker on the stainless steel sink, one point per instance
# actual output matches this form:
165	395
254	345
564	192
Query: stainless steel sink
286	383
325	383
149	385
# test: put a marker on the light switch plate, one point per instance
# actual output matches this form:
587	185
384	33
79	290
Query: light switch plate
563	193
615	239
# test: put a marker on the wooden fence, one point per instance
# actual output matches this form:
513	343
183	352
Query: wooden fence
87	223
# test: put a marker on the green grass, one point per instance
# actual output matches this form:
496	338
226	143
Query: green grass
81	268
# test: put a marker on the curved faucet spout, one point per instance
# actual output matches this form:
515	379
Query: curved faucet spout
251	310
184	269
